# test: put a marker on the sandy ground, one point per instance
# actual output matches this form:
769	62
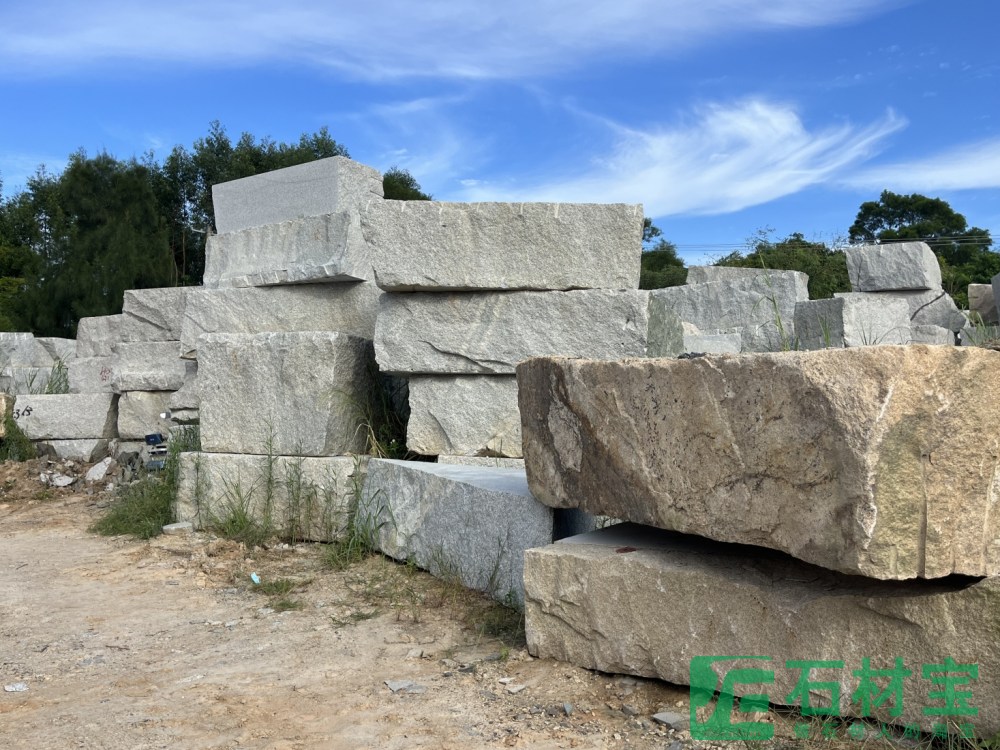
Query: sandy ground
168	644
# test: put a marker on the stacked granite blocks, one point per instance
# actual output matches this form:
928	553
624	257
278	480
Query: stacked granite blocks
34	365
282	335
830	506
473	289
897	298
729	310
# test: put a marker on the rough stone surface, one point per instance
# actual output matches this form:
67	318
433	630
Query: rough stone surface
493	462
95	337
705	274
986	336
432	246
880	461
86	450
6	409
149	366
473	415
350	308
91	375
466	521
153	314
58	349
851	320
931	335
68	416
324	186
328	248
99	471
714	343
762	306
139	414
22	350
893	266
311	498
488	333
983	302
303	393
32	380
637	601
188	396
932	308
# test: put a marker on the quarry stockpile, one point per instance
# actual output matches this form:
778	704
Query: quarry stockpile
879	461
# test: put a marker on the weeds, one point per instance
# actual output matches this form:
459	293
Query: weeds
286	605
15	445
144	507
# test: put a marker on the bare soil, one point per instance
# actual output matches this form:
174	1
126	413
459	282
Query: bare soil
169	644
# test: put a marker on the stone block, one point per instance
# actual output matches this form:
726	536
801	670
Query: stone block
929	308
633	600
139	414
878	461
20	350
464	522
349	308
893	266
705	274
25	380
91	375
851	320
153	314
96	337
294	394
488	333
309	498
931	335
493	462
86	450
983	302
149	366
188	396
433	246
57	349
310	249
68	416
473	415
714	343
324	186
762	306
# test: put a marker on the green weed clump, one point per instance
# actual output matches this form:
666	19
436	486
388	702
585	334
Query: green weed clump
142	508
15	446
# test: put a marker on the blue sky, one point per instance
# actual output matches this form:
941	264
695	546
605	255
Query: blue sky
721	116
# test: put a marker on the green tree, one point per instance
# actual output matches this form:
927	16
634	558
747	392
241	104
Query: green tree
827	268
399	185
964	252
661	267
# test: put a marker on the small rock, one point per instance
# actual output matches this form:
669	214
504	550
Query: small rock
505	680
676	745
175	529
17	687
515	689
672	719
61	480
405	686
414	653
629	710
568	709
99	471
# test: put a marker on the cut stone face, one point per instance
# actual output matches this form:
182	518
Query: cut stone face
153	314
488	333
762	306
714	343
310	498
879	461
22	350
6	409
851	320
433	246
324	186
931	335
32	380
149	366
310	249
139	414
91	375
933	307
67	416
58	349
293	394
472	415
705	274
95	337
467	522
349	308
87	450
893	266
983	302
632	600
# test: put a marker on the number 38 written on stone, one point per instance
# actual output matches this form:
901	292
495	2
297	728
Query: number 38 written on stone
18	413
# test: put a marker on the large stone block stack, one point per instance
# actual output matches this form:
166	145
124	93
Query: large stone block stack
896	298
29	364
473	289
281	332
830	508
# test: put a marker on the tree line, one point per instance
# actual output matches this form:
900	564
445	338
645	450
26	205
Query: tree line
965	253
72	243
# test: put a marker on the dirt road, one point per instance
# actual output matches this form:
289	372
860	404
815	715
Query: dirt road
117	643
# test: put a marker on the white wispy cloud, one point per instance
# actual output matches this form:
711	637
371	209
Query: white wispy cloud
723	158
967	167
17	168
388	38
